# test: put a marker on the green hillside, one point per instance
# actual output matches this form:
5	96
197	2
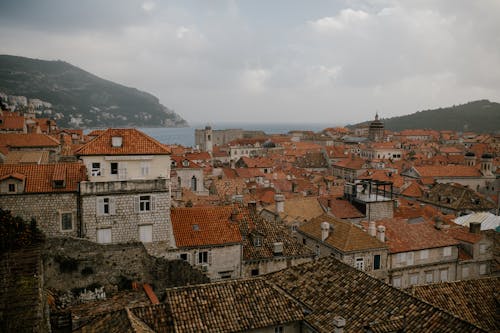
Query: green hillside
87	99
480	116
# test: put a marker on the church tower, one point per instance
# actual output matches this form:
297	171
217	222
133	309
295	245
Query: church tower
376	130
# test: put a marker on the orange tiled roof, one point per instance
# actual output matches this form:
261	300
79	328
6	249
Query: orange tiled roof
179	163
402	236
27	140
203	226
134	142
344	236
11	122
447	171
39	178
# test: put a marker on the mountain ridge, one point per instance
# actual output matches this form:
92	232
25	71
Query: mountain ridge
80	98
480	116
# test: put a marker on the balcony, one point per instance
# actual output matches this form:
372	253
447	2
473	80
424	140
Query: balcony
124	186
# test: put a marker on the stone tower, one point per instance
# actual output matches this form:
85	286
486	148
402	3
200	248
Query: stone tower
376	130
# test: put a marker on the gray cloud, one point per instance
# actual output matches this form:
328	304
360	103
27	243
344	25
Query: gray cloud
281	61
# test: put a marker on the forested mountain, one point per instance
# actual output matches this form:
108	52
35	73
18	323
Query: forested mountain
81	99
480	116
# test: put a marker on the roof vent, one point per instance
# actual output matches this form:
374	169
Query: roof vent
116	141
278	248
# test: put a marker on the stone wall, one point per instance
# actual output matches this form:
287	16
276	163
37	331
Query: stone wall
74	263
125	221
45	208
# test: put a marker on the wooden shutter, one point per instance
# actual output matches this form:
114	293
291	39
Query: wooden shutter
153	203
112	206
136	204
100	206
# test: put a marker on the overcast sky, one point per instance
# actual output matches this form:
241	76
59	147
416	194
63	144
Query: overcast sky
329	62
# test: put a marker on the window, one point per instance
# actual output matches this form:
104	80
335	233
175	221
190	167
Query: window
465	272
183	256
66	221
203	257
401	258
225	275
194	184
12	187
185	163
376	261
145	203
318	250
482	247
304	241
179	181
58	184
443	275
429	277
359	263
257	241
114	168
294	228
95	169
483	269
413	279
447	251
424	254
106	206
409	258
278	329
396	282
255	272
145	168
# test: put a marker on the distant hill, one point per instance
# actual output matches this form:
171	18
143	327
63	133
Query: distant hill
480	116
81	99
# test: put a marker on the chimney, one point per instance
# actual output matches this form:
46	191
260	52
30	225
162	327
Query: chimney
280	203
325	230
234	215
338	324
475	227
372	229
238	198
278	248
252	207
381	233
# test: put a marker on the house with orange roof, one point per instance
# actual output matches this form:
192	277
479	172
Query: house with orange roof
208	238
381	150
31	142
418	252
475	177
47	193
349	169
12	122
127	195
326	236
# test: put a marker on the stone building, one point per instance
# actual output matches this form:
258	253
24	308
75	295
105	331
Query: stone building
127	196
208	239
376	130
207	138
188	175
418	252
327	236
48	193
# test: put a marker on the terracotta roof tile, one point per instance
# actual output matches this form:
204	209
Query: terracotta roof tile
231	306
402	236
29	140
39	178
329	288
134	142
203	226
473	300
11	122
343	236
341	208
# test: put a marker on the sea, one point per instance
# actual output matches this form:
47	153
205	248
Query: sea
185	135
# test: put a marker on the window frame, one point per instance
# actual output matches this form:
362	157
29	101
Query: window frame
13	186
203	258
95	169
145	203
359	263
113	168
377	262
61	221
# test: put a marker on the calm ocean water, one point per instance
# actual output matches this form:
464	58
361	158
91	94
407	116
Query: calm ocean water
185	136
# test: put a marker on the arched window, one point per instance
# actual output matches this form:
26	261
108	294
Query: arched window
194	184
